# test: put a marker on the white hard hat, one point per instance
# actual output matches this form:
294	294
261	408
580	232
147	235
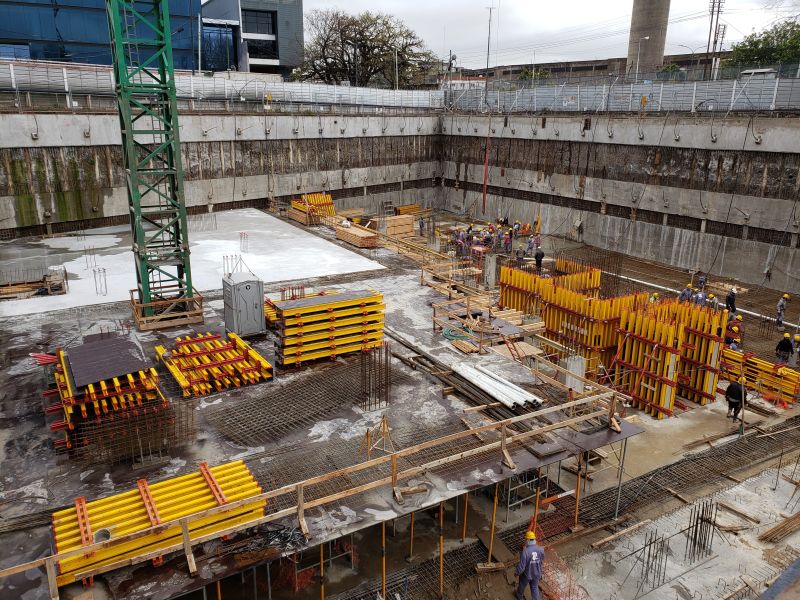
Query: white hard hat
733	289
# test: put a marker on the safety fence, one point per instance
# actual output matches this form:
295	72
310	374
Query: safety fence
744	94
99	80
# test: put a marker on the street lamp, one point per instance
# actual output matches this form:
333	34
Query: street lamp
693	51
638	50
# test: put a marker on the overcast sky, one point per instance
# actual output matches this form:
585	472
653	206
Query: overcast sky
555	30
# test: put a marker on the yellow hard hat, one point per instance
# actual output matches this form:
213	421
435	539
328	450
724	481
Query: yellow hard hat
734	328
655	294
739	318
786	335
530	535
711	295
786	296
797	337
689	284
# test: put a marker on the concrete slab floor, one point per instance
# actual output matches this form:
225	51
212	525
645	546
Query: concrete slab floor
33	479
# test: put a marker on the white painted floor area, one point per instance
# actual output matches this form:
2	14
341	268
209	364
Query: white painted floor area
276	251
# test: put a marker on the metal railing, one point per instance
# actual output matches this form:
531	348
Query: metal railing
745	94
68	80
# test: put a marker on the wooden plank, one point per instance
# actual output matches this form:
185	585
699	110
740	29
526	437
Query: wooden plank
187	548
738	512
620	533
470	409
52	585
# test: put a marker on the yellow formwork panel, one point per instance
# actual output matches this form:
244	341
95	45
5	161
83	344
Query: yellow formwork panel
305	328
332	333
332	344
367	301
175	498
301	320
775	382
329	352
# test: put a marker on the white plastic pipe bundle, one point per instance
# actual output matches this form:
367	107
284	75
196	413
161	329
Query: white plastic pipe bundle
500	389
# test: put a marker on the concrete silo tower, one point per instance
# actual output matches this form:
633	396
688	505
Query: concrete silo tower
648	35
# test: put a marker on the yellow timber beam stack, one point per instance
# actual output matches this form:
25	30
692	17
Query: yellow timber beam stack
208	363
148	506
646	362
775	382
327	326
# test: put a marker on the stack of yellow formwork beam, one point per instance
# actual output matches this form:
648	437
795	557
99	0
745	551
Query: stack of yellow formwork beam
328	326
521	289
148	506
99	401
208	363
310	208
646	362
775	382
407	209
701	347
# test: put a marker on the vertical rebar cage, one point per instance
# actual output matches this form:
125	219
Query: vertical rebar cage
145	86
375	377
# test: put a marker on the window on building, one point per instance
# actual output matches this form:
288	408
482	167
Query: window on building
219	52
262	48
12	51
258	21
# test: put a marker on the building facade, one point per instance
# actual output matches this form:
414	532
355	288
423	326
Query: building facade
253	35
77	31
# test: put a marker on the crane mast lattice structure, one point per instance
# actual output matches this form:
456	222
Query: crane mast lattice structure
146	97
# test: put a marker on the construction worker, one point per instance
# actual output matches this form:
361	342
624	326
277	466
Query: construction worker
686	294
517	226
422	227
469	229
736	396
796	347
539	257
520	254
531	248
652	298
529	569
730	301
784	350
733	331
713	302
781	311
700	297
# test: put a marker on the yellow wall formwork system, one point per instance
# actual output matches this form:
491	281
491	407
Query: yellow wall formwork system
327	326
147	506
775	382
577	321
701	347
317	203
646	362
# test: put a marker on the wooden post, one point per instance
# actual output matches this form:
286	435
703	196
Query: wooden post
383	559
301	519
466	509
411	539
52	584
441	550
494	514
538	495
322	571
187	548
578	489
219	589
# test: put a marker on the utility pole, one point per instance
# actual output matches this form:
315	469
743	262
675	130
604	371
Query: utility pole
489	39
714	8
396	72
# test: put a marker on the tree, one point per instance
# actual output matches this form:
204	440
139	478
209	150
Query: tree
530	74
360	49
779	44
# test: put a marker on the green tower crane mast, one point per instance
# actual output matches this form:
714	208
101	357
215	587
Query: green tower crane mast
146	96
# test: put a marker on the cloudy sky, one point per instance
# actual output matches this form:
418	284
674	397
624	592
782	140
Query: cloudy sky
554	30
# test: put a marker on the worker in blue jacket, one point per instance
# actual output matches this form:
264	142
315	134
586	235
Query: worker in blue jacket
530	567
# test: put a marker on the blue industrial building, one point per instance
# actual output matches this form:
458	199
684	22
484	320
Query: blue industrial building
77	31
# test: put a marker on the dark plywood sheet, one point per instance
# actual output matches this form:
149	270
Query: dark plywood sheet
104	359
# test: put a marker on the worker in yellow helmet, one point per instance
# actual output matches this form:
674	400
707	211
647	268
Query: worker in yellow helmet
713	302
686	294
781	311
784	350
530	567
